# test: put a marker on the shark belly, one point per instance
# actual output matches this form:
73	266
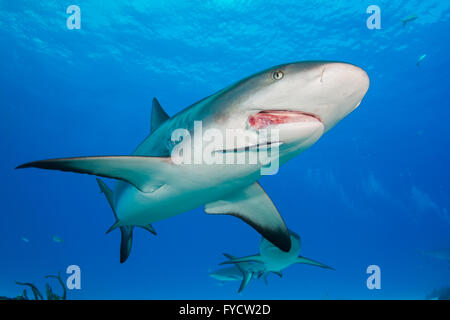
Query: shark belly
197	187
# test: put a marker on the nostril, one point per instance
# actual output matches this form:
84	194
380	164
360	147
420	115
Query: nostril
321	76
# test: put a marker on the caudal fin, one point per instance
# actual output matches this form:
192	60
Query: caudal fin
126	242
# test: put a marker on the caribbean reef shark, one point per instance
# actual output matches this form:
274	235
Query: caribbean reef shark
271	260
301	101
241	271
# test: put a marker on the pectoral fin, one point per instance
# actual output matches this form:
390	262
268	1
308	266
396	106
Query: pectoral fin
245	281
312	262
254	206
246	275
145	173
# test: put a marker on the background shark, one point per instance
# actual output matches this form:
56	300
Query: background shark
227	274
271	260
241	271
302	100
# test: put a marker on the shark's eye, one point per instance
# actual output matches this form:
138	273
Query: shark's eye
278	75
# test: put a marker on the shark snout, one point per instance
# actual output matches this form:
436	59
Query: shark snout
344	86
352	81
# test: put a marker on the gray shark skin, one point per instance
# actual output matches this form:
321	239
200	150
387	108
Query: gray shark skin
269	260
235	274
275	260
302	100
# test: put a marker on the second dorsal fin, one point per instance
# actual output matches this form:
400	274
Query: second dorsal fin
159	116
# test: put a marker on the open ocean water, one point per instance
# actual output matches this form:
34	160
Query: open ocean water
372	191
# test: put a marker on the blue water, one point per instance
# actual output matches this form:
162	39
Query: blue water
373	190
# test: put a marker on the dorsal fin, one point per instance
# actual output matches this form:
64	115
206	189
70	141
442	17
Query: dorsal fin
158	115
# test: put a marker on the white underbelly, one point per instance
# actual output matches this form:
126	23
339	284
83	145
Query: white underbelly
191	190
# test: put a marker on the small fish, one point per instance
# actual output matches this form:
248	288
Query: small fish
422	57
409	19
57	239
25	239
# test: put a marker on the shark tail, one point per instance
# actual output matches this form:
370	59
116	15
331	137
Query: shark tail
126	232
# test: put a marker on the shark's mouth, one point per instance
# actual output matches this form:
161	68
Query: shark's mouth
267	118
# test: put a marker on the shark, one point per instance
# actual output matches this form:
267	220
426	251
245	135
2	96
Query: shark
271	259
240	271
227	274
300	100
